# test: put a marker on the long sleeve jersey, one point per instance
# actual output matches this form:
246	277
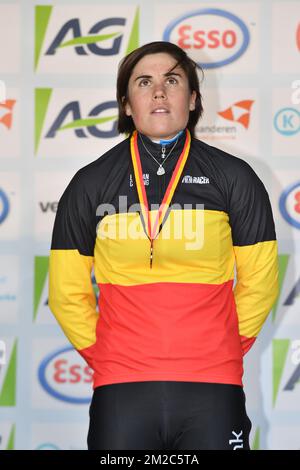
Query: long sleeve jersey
184	319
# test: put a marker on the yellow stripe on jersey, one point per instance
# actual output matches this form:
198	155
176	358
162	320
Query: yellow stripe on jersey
256	274
71	296
193	246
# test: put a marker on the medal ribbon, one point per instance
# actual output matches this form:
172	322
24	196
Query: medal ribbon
136	161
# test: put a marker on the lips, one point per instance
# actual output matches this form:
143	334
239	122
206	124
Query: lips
160	110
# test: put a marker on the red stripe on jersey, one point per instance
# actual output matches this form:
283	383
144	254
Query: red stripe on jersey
183	331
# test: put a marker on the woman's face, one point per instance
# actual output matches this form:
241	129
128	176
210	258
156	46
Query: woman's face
159	101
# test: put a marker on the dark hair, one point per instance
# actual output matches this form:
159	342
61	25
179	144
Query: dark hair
126	66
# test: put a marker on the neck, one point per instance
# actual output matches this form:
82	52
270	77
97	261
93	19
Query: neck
166	141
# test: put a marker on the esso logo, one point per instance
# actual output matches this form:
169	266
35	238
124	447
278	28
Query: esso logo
289	204
212	37
64	375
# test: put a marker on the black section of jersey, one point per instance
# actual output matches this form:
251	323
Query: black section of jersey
107	186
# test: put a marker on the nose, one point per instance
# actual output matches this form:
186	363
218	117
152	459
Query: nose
159	92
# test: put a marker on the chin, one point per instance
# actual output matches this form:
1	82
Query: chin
162	133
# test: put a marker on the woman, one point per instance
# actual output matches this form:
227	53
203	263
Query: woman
167	346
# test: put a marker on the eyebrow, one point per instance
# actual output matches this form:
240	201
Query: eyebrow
167	74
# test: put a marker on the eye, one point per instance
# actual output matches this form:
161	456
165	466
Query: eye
172	80
144	82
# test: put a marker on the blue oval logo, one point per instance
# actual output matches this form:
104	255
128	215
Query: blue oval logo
5	206
64	378
214	38
288	199
47	446
287	121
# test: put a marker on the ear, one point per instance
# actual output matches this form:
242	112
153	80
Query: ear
127	107
193	101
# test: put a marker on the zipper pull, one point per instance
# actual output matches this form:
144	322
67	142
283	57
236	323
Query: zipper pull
151	253
163	151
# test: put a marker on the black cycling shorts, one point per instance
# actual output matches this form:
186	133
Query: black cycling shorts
155	415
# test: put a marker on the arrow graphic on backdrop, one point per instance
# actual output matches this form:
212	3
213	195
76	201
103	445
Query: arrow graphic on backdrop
6	117
238	112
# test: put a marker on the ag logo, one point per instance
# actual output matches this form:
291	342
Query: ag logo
65	119
286	371
70	37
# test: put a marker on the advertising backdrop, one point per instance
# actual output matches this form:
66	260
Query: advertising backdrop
58	111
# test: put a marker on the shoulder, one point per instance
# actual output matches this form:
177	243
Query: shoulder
225	159
95	174
233	168
114	157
